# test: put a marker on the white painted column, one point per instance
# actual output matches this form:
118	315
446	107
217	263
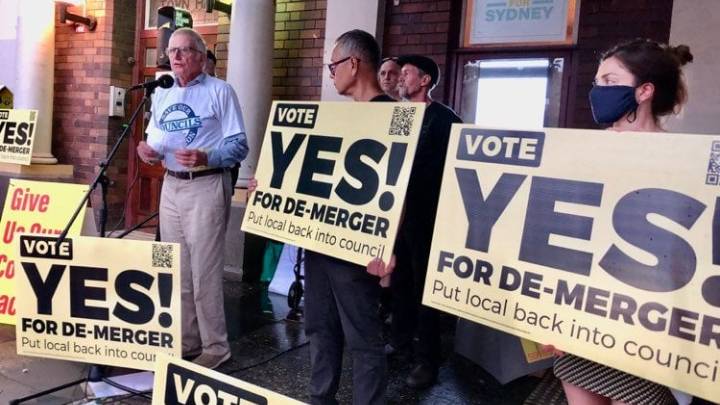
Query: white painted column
346	15
250	53
35	70
8	42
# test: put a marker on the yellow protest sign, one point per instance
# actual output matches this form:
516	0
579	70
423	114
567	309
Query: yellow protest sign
332	176
35	207
98	300
17	128
182	382
604	244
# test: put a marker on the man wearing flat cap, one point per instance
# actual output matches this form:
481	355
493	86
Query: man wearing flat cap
418	76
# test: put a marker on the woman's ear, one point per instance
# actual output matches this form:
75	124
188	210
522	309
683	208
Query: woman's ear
644	92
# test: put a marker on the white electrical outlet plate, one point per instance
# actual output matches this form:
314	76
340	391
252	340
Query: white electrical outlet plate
116	102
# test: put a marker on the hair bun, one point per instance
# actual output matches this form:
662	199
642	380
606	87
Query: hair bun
681	53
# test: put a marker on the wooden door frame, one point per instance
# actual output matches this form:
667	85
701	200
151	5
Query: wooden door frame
139	68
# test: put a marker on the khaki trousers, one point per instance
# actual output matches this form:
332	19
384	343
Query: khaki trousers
194	213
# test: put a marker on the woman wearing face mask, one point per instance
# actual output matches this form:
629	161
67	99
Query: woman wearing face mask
636	84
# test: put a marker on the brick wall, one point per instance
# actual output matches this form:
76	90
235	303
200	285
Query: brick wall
221	45
603	23
298	49
86	65
421	27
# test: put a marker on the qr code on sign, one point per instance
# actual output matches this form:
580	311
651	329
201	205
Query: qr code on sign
402	121
713	171
162	256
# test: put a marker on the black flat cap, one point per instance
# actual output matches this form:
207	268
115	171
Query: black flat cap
423	63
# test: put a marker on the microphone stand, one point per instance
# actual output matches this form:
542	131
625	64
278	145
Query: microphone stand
95	373
138	226
101	177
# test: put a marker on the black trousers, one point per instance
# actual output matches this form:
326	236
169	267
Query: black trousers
341	304
410	317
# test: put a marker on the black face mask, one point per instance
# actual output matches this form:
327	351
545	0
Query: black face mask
610	103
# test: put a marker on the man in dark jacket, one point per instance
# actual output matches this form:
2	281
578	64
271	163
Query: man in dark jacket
419	75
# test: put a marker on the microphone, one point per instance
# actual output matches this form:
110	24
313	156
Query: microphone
164	81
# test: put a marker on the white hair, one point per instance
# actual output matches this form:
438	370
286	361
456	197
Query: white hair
196	38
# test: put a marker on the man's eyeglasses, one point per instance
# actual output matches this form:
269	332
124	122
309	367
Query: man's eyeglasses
334	65
184	51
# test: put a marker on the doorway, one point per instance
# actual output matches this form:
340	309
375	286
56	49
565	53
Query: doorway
145	181
512	91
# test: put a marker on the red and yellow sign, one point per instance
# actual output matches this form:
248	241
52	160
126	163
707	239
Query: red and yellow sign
38	208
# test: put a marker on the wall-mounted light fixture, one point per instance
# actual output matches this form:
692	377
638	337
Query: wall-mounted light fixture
90	22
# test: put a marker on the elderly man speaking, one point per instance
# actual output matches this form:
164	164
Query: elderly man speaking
197	131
